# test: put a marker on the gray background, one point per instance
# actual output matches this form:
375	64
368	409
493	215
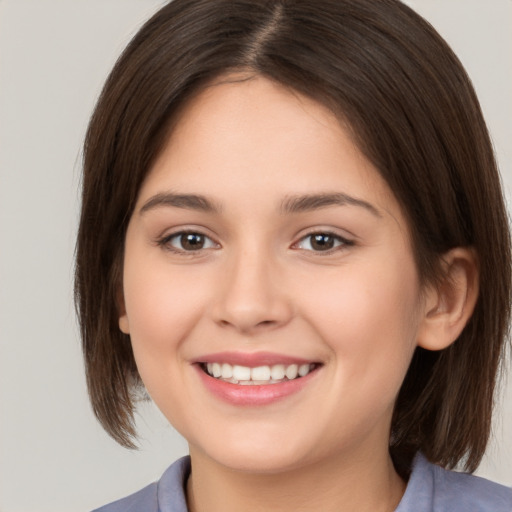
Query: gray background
54	57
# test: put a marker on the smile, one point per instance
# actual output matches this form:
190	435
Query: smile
255	379
257	376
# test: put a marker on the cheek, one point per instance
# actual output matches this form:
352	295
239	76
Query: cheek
162	304
368	314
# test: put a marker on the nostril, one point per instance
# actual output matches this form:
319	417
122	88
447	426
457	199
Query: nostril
263	323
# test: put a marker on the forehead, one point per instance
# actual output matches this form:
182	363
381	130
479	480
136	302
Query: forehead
245	133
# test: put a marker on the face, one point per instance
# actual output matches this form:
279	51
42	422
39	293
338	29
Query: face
270	290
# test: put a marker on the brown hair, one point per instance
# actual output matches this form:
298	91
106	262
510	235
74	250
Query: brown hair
412	111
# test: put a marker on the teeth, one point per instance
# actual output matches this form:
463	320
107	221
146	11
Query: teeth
259	375
227	371
292	371
303	370
216	369
241	373
277	372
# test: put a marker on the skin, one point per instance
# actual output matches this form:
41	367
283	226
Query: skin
258	284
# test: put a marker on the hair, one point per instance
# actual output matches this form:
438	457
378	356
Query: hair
412	111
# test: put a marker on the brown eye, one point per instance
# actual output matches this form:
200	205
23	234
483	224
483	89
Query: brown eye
192	241
323	242
188	242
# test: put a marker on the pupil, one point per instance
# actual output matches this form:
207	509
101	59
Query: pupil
192	241
322	242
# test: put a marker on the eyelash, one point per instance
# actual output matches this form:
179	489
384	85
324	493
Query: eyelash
341	242
165	242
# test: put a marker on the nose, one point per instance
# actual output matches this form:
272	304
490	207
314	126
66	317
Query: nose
253	297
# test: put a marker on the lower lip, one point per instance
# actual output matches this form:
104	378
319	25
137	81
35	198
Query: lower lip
254	395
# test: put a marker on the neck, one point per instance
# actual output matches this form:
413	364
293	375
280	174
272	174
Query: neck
366	482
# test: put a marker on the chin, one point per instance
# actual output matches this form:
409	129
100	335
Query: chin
252	455
257	464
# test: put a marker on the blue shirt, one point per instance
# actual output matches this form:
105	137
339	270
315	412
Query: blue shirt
430	489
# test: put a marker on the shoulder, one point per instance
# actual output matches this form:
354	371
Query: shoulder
470	492
432	488
146	499
166	495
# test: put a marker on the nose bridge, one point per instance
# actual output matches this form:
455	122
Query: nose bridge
251	295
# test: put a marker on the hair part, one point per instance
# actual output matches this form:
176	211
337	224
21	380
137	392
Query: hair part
412	111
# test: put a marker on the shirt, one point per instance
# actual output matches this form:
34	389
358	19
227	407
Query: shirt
430	489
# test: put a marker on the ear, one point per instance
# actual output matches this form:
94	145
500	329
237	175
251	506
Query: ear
449	305
124	325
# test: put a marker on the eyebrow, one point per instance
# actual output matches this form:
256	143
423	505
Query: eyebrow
292	204
308	202
186	201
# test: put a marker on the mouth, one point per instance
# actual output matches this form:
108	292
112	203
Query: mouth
259	375
255	379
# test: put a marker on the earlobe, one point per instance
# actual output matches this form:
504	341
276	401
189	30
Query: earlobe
449	306
124	325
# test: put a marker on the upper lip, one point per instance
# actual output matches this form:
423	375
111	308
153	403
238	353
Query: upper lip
252	360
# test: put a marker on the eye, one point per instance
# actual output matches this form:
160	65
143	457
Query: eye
188	241
322	242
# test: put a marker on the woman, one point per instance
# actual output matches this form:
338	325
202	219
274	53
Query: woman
295	216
